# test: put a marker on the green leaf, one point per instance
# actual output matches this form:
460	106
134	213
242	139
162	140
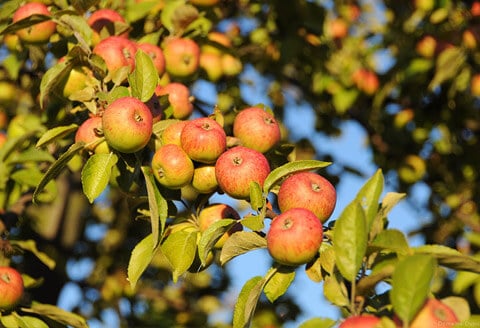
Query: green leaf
57	167
80	29
33	155
25	22
144	78
391	239
31	246
140	258
96	174
180	248
157	204
318	323
83	5
247	302
52	77
411	284
335	291
448	64
350	240
56	133
464	280
57	314
253	222
450	257
239	243
26	321
388	202
256	197
278	282
211	235
368	196
289	168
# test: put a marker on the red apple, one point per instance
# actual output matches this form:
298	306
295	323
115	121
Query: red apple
336	28
294	237
433	314
475	85
366	81
360	321
172	133
236	168
172	167
475	9
11	287
102	22
117	52
91	132
308	190
182	56
204	180
214	213
127	124
179	98
3	138
256	129
37	33
156	53
203	139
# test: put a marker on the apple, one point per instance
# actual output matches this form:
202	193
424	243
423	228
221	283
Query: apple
426	47
156	53
214	213
236	168
77	79
216	37
294	237
211	63
12	42
424	5
366	81
172	167
182	56
179	98
8	93
203	139
117	52
127	124
11	287
172	133
91	132
3	138
475	85
38	33
336	28
102	22
231	65
204	3
257	129
360	321
204	180
433	314
475	9
308	190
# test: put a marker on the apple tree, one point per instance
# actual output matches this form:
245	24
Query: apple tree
131	142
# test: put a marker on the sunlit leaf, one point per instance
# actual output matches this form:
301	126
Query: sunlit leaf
368	196
247	301
140	258
278	282
57	314
240	243
335	291
211	235
450	257
144	78
180	248
31	246
318	323
96	174
256	197
53	134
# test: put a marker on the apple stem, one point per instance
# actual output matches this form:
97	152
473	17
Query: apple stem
353	308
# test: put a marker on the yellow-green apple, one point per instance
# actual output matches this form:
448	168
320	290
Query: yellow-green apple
211	64
172	133
172	167
102	23
360	321
231	65
475	85
256	129
294	237
12	42
91	132
203	139
433	314
204	180
214	213
412	169
156	53
308	190
424	5
11	287
117	52
127	124
180	104
182	56
237	167
8	93
76	80
37	33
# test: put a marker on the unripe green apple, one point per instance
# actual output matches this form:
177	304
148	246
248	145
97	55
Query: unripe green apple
117	52
211	63
91	132
38	33
172	133
11	287
127	124
256	129
203	139
236	168
102	22
156	53
214	213
360	321
294	237
179	98
204	180
308	190
172	167
182	56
